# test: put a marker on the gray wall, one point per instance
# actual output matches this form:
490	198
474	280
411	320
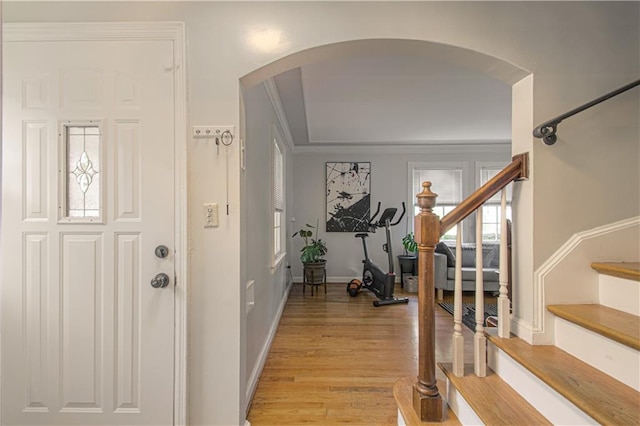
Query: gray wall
269	284
389	185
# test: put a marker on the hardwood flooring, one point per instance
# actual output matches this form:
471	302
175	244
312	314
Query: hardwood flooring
335	358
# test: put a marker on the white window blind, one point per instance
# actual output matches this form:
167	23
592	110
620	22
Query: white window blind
278	204
447	183
278	178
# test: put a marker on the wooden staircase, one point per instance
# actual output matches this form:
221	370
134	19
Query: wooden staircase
491	399
590	376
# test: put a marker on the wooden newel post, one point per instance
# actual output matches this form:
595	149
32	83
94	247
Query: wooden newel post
427	401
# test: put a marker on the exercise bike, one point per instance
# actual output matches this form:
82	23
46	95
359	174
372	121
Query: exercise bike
374	279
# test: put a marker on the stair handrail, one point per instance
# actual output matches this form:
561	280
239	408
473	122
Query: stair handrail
517	169
547	130
427	400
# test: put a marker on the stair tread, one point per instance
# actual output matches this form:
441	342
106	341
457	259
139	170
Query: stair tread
619	326
627	270
493	400
600	396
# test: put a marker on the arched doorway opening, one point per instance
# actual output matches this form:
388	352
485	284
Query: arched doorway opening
405	104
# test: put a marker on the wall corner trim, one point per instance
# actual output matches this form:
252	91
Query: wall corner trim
541	324
276	103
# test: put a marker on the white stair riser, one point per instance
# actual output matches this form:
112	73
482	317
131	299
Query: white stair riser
466	415
619	293
556	408
615	359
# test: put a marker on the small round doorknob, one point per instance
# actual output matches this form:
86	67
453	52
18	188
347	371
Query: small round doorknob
160	281
162	251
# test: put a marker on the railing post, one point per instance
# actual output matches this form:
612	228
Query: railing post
504	305
479	339
458	338
427	401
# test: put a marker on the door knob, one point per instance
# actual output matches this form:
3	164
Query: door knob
160	281
162	251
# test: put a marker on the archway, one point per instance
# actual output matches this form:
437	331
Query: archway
262	126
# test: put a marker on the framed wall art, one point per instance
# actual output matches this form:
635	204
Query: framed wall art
348	196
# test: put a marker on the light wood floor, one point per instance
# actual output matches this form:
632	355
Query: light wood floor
335	359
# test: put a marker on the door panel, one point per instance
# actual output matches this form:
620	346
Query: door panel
85	338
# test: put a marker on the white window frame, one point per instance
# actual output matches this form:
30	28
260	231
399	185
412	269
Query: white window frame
432	165
277	149
492	165
63	175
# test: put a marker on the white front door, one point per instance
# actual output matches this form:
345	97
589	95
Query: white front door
87	196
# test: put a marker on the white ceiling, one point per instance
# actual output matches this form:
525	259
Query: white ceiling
393	99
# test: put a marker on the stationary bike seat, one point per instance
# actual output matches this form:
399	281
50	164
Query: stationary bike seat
361	235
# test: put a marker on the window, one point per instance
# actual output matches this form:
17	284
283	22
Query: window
278	203
491	211
446	182
81	189
455	181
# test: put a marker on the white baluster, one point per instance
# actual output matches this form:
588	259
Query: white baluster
458	338
504	306
479	339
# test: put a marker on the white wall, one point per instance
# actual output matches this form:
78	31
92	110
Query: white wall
389	185
575	51
523	209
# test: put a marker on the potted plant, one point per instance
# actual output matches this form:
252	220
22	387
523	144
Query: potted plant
409	244
409	260
312	255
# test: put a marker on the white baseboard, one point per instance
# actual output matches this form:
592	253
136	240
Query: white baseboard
340	280
252	383
556	408
330	280
522	329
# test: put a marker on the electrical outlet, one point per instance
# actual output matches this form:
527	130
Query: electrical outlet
251	300
210	215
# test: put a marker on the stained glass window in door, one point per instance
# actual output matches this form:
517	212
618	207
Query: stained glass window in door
83	186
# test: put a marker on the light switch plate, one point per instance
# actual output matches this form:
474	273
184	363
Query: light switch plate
210	215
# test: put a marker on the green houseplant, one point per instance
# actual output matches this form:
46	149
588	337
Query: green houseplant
311	256
409	260
314	249
409	243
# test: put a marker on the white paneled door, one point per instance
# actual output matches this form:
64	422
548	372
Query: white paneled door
87	198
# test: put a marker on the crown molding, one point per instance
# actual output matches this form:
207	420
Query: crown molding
501	147
82	31
276	103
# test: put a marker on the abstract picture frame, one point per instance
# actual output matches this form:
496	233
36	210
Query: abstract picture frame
348	196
